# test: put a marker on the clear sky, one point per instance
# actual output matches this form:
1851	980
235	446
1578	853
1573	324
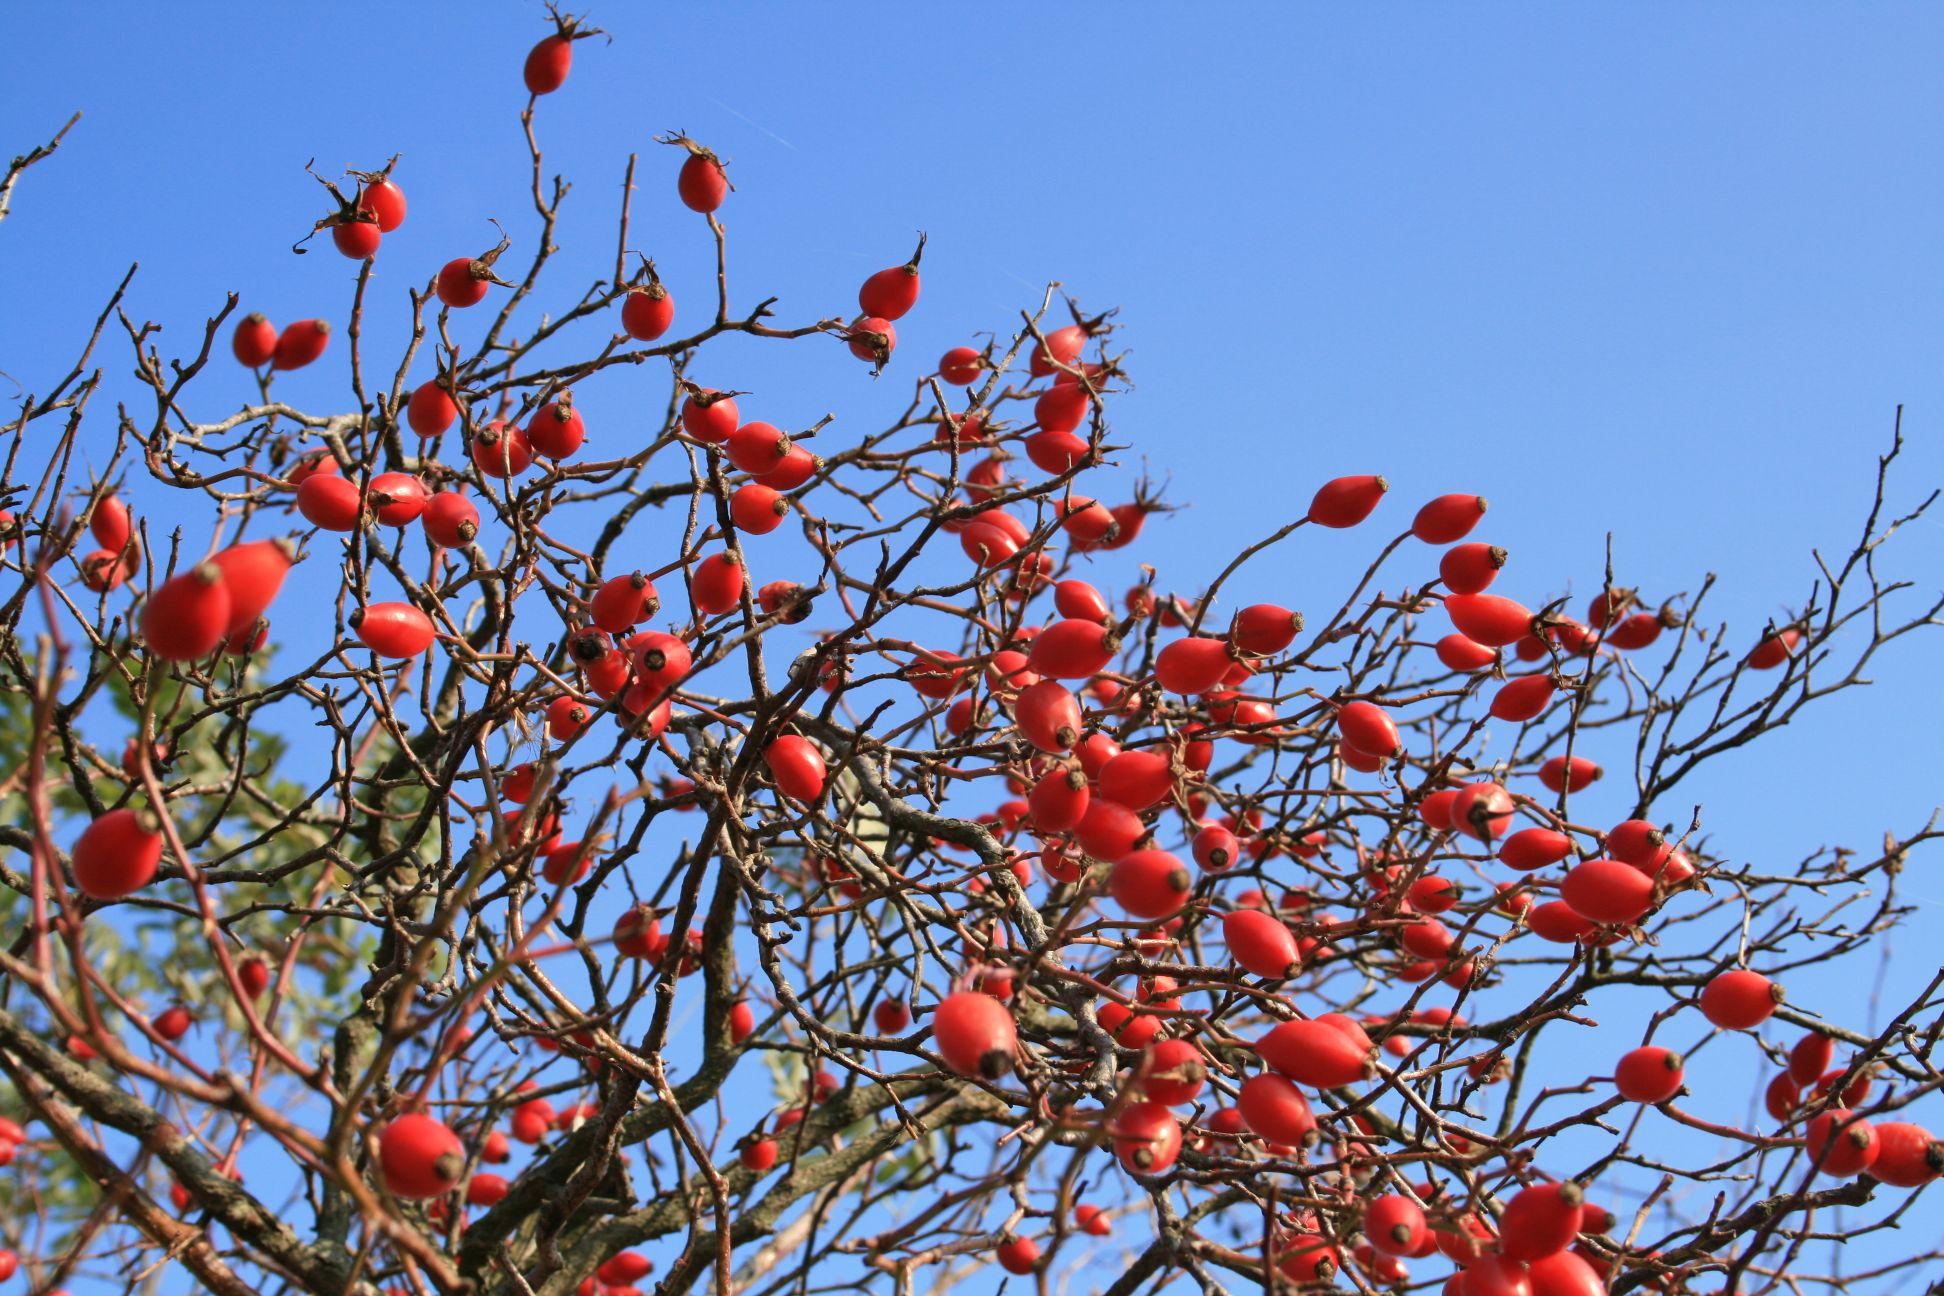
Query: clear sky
1659	270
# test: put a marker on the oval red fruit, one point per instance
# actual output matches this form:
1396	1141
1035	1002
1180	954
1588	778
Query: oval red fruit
1470	568
1448	518
1347	501
1649	1074
797	766
1739	999
301	343
396	630
254	343
188	616
117	854
975	1034
420	1157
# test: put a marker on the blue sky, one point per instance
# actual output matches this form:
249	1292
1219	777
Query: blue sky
1661	271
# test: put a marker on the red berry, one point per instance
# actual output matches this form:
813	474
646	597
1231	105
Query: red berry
556	430
1055	453
624	602
701	184
891	1016
1470	568
1079	601
385	201
396	630
872	338
1907	1156
117	854
254	343
717	586
1137	779
463	281
567	716
758	448
567	863
1448	518
1176	1071
1565	1273
1481	810
1739	999
890	293
1811	1057
301	343
1277	1110
1432	894
1147	1138
1108	831
357	239
1368	728
330	502
1316	1053
624	1267
1308	1260
420	1157
797	467
758	1154
709	416
1569	773
548	63
1519	700
432	409
1265	629
1347	501
1534	848
1607	891
500	449
961	366
1193	665
110	524
173	1023
1461	654
188	616
1649	1074
1092	1220
1062	407
1216	848
1018	1255
486	1189
253	973
638	934
975	1034
1048	716
1488	619
1396	1226
1260	943
1540	1221
1073	649
797	766
1059	800
1840	1144
1062	347
399	498
661	661
647	313
1776	647
253	572
1150	883
1636	631
450	520
757	509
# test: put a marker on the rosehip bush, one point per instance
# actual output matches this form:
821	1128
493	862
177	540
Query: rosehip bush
523	805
